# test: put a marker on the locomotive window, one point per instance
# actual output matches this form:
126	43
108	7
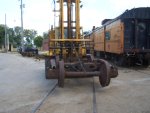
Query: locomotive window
141	26
107	35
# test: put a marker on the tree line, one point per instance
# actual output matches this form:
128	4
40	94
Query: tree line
30	36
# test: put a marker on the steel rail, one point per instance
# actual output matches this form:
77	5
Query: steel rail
94	98
43	100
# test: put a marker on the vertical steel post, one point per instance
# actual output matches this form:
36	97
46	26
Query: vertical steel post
54	13
61	2
62	19
69	29
77	8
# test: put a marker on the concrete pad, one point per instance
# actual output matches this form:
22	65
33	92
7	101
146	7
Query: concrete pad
22	83
23	87
129	93
75	97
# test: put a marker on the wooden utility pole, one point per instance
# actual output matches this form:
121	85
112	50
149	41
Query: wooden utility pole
22	35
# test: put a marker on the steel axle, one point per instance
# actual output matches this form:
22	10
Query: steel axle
58	69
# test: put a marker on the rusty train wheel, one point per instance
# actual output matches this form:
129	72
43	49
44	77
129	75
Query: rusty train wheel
104	77
61	75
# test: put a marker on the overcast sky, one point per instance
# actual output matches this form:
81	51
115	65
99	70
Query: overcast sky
38	13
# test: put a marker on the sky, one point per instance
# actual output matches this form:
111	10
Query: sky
38	14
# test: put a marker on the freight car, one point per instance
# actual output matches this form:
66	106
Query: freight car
125	39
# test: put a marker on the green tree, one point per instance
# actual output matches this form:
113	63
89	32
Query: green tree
17	31
2	34
38	41
11	35
29	36
17	36
14	35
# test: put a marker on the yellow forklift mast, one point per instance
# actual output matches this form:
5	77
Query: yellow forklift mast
67	39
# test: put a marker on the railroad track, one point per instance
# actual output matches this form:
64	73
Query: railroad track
94	103
43	100
94	98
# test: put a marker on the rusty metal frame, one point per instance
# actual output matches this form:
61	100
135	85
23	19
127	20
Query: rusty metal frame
70	40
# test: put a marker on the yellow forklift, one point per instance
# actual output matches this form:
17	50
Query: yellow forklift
67	56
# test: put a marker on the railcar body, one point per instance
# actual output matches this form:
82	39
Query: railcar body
125	39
